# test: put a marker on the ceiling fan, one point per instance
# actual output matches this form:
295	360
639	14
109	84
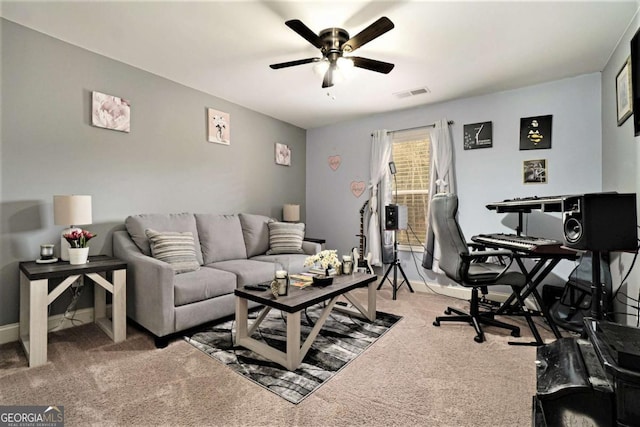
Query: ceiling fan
334	43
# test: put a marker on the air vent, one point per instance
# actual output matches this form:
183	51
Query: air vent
412	92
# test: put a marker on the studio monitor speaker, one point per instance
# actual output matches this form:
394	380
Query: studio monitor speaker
395	217
600	222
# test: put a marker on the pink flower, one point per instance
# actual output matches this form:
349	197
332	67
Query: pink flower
79	238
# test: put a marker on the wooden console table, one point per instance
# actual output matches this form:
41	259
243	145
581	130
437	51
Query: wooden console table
35	298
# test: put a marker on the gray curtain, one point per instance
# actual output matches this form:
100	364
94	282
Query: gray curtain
442	180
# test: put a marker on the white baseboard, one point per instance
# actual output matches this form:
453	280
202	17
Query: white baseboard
11	332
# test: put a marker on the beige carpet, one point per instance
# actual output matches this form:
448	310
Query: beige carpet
416	374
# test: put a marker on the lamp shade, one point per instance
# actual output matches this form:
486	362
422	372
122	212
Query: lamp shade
71	210
291	213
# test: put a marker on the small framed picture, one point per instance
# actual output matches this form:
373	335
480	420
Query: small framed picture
478	135
534	171
624	101
110	112
535	132
283	154
219	127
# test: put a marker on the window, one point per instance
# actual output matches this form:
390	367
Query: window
411	154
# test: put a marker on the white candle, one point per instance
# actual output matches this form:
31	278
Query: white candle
281	274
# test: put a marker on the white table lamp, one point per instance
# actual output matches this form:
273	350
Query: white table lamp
291	213
70	211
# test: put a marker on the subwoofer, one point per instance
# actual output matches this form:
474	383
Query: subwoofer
395	217
600	222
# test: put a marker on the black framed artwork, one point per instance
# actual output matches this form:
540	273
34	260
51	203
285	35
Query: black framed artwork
478	135
534	171
535	132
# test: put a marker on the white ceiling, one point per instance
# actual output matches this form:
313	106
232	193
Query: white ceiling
456	49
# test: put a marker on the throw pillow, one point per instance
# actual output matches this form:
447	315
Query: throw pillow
175	248
285	238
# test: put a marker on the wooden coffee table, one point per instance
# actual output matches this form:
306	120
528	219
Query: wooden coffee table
292	304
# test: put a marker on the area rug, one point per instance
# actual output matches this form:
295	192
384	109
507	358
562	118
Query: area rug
341	339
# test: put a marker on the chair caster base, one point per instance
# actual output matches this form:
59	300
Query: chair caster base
478	338
436	323
515	333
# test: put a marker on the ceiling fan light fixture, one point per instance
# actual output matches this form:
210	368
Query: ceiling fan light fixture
321	67
345	65
333	43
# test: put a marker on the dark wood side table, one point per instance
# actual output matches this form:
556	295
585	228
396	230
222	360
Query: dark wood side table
35	298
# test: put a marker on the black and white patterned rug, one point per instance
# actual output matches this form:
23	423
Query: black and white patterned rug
341	339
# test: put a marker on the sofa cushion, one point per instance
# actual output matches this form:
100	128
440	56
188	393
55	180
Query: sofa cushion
220	237
175	248
201	285
285	238
137	224
256	233
247	271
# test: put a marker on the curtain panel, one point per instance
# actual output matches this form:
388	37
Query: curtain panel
380	241
442	180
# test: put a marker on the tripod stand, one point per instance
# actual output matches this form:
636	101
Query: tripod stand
395	265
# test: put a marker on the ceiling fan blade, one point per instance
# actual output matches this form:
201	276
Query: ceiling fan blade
294	63
374	30
372	64
328	76
304	31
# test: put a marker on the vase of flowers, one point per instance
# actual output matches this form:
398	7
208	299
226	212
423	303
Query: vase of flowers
324	261
78	250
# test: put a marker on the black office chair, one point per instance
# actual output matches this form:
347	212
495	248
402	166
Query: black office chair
469	268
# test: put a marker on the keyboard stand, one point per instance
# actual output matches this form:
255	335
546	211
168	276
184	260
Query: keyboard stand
544	265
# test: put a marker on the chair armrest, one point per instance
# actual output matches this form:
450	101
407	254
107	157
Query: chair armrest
471	256
479	258
476	246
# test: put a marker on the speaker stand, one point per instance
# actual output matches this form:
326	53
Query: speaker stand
596	287
395	265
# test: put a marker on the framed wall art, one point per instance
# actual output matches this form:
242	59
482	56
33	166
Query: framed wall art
534	171
535	132
478	135
634	70
624	102
110	112
219	127
283	154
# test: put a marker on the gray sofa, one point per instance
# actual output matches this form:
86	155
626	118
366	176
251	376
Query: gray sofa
231	250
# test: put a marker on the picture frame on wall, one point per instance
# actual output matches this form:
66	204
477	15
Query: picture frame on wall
624	96
478	135
110	112
283	154
534	171
219	127
634	70
535	132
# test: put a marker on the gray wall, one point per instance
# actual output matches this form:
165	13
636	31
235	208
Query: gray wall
620	158
165	164
483	175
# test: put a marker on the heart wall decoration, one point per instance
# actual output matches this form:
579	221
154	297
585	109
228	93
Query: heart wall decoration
357	188
334	162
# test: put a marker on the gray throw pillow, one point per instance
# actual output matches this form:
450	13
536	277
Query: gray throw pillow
285	238
175	248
